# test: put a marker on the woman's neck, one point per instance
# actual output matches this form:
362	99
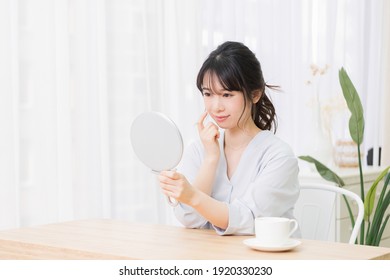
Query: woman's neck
239	137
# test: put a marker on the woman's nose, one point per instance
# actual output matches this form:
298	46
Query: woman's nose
218	104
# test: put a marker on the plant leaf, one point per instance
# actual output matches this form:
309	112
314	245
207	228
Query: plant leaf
356	121
324	171
379	237
378	217
370	197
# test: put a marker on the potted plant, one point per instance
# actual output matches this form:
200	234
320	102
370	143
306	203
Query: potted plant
375	220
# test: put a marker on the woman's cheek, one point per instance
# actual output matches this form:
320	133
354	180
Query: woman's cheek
207	106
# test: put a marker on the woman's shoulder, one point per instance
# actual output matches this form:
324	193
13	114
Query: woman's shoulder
274	152
271	143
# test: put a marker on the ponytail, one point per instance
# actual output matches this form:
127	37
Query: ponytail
263	112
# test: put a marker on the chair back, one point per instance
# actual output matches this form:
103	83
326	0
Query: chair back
315	211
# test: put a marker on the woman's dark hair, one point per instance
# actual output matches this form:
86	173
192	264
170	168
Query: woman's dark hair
238	69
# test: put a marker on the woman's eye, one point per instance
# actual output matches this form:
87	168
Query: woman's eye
227	95
207	94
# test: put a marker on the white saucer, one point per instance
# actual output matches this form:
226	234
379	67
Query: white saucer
255	244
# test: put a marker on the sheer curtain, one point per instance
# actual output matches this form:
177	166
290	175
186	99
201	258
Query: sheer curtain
55	119
386	89
295	41
153	53
75	73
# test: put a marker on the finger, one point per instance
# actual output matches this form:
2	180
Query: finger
201	120
166	181
169	194
171	174
211	130
170	191
212	125
167	187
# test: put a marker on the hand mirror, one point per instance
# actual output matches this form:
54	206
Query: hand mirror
157	142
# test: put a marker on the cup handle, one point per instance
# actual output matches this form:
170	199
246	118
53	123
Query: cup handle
295	227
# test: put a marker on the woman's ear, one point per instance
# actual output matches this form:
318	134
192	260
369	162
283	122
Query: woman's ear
256	95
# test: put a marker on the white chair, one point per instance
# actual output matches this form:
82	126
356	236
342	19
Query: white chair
314	210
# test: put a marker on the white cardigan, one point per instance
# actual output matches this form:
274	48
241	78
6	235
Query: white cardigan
265	183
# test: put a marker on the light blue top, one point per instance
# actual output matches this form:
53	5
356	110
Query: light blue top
265	183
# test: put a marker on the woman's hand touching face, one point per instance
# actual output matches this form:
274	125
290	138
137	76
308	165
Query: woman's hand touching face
209	135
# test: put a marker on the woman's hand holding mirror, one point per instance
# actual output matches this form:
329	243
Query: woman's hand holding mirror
176	186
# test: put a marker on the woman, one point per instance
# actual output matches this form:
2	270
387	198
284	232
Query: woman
238	170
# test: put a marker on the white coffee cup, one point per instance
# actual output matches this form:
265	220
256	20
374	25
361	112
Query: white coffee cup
274	231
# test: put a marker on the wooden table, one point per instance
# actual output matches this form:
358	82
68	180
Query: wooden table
110	239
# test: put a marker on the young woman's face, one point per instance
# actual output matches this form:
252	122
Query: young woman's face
225	107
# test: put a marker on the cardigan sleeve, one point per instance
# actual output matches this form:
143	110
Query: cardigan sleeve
189	166
273	193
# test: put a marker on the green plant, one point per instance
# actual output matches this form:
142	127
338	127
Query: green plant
374	217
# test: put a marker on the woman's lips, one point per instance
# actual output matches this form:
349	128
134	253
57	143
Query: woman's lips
220	118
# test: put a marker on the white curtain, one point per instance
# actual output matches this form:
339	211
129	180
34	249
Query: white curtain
294	38
75	73
55	119
385	111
